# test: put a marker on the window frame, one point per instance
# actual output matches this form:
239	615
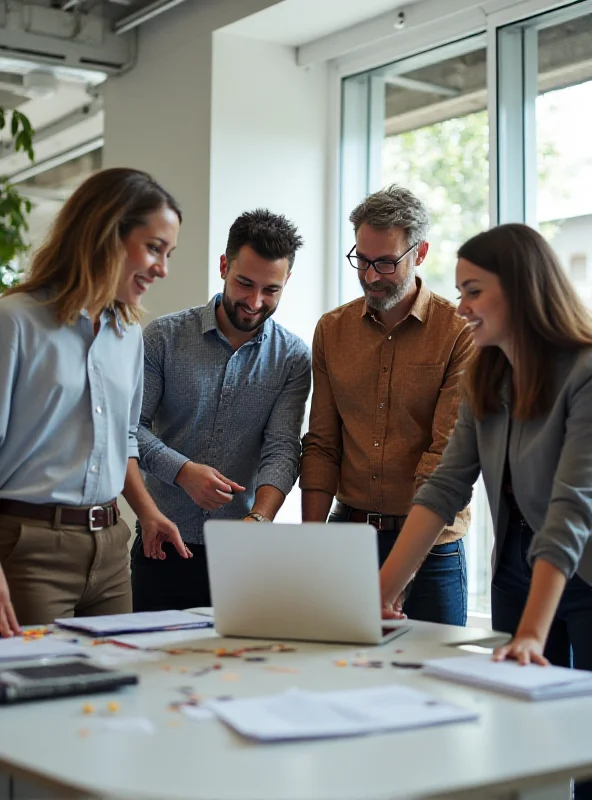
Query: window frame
509	31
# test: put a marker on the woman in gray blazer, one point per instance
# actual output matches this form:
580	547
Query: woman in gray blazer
526	424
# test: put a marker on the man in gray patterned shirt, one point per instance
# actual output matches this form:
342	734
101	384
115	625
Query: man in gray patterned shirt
224	393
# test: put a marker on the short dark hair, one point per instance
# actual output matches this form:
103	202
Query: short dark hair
271	236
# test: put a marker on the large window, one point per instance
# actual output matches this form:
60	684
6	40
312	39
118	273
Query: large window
425	124
564	156
490	128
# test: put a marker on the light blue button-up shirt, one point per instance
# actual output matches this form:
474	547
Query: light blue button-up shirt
238	411
69	404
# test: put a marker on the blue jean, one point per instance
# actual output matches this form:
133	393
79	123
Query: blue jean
438	593
570	640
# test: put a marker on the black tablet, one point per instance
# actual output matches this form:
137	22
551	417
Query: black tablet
44	679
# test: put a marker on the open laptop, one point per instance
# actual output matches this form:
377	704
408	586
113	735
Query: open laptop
313	582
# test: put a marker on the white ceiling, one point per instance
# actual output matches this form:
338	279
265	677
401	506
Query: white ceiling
297	22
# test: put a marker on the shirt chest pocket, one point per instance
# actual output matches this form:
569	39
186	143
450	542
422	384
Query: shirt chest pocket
255	400
420	390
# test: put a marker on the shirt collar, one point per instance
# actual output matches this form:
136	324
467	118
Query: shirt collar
208	314
420	306
210	323
105	316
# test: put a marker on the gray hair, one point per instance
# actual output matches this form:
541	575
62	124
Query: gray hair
393	207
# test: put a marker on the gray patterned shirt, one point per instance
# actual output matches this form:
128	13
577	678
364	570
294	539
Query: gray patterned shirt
238	411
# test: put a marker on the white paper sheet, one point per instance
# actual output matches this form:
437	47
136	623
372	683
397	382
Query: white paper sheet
197	713
298	714
126	725
140	621
111	655
18	649
164	639
532	682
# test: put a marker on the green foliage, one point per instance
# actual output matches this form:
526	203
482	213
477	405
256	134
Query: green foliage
14	208
447	165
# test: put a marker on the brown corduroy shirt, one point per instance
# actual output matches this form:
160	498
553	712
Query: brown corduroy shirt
384	404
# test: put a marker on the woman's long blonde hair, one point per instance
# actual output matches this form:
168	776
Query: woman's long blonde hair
83	256
546	317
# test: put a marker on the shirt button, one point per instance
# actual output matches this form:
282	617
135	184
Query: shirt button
94	468
376	444
381	405
99	410
375	477
389	338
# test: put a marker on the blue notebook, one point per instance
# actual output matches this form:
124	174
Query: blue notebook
139	622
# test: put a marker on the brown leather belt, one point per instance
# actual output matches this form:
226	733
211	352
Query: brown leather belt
382	522
94	518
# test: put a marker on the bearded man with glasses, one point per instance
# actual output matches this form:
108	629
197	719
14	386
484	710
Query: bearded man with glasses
386	372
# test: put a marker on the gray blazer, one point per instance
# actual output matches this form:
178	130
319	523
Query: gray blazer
551	465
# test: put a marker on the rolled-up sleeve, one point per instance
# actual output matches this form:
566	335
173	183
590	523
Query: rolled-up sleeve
450	487
568	523
280	452
322	445
155	457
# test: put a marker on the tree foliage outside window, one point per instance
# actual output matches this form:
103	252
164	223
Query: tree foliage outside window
14	208
447	166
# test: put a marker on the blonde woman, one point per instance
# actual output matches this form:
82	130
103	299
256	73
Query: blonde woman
71	375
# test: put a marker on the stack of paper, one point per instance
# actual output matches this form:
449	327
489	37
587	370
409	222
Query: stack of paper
298	714
532	682
141	621
160	640
19	649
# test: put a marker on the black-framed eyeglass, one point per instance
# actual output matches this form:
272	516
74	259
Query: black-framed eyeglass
383	266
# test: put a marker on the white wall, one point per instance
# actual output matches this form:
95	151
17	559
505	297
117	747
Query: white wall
574	237
157	118
268	148
227	124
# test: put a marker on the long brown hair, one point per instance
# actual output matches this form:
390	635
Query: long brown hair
546	317
83	255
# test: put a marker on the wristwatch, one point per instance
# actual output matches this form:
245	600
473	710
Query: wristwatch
256	516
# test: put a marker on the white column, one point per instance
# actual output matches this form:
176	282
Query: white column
227	123
158	118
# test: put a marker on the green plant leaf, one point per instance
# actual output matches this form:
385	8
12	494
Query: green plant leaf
14	208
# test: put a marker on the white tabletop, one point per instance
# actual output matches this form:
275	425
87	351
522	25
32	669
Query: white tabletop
514	744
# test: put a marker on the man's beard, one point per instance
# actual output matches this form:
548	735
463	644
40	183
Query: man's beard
241	324
394	293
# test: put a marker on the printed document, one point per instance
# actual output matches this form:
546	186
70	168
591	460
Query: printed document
532	682
299	714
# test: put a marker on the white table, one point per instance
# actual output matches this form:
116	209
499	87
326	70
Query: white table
516	749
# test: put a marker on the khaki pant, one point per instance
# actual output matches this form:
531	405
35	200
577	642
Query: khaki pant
64	572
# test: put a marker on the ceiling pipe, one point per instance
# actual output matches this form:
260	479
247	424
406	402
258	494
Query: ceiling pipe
143	15
57	160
